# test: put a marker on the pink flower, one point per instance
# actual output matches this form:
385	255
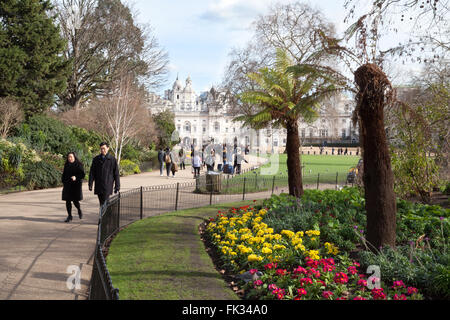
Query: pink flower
279	293
327	294
356	264
359	298
322	282
341	277
281	272
301	292
398	284
341	298
412	290
258	283
270	266
402	297
378	294
253	271
300	270
328	268
314	272
304	281
311	263
352	270
272	286
362	283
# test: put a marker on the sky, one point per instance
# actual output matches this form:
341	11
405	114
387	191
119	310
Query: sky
199	34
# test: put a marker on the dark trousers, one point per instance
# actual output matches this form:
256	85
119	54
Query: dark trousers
196	171
69	206
102	198
168	168
161	167
182	165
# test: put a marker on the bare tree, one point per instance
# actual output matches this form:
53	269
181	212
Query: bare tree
121	115
11	114
103	42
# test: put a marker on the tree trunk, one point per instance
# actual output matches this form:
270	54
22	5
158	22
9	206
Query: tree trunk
373	95
293	160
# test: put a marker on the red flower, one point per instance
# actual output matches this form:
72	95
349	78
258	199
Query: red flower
412	290
341	277
304	281
327	294
300	270
301	292
378	294
352	270
397	297
281	272
359	298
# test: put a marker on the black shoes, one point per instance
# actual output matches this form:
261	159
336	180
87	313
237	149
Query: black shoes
80	214
69	218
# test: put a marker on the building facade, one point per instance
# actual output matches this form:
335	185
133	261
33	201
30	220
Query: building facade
203	119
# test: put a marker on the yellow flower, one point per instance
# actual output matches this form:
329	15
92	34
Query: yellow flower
287	233
331	248
266	251
262	212
278	247
313	233
313	254
254	257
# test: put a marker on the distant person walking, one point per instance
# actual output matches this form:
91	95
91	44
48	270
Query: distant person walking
161	161
72	179
196	164
238	158
168	160
182	156
105	173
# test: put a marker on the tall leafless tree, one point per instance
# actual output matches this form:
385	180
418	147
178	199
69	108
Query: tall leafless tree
104	41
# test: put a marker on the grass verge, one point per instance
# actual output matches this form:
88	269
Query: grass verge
163	258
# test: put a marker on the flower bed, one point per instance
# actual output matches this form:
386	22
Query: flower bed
291	265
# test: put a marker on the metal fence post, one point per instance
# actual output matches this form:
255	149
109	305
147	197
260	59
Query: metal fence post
337	174
176	199
142	203
211	193
318	180
243	189
118	211
273	184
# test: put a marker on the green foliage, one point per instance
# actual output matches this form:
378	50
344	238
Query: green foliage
41	175
128	167
32	67
424	268
165	123
421	257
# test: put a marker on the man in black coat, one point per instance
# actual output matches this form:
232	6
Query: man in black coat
105	172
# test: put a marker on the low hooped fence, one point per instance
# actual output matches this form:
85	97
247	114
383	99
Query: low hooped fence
136	204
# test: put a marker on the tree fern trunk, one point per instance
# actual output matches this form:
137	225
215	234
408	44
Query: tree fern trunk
378	178
293	160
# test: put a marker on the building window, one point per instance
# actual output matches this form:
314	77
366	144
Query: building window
178	96
275	142
204	129
216	127
343	133
187	127
303	133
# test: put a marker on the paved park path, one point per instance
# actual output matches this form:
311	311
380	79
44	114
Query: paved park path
37	249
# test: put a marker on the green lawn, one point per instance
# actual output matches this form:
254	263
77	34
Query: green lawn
163	258
327	166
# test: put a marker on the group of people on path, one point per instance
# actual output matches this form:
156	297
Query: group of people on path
200	160
104	173
105	178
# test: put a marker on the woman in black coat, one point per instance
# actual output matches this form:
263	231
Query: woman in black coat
72	179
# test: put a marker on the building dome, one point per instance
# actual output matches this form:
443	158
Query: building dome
177	85
188	87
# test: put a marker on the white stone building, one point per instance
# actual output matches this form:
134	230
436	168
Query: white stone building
201	119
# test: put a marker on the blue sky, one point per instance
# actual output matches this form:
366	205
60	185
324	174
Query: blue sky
199	34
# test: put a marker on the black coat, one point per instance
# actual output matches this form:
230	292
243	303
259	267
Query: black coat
105	173
72	190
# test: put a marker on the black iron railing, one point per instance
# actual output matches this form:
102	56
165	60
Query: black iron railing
136	204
